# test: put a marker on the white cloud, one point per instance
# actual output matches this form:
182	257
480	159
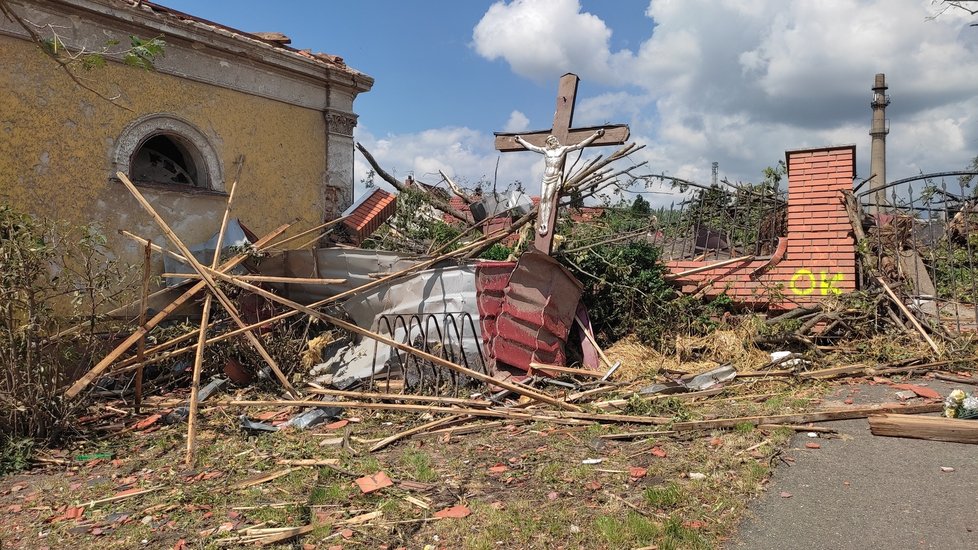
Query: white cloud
740	81
518	122
542	40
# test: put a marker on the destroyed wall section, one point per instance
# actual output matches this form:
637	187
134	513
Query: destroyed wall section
819	254
288	114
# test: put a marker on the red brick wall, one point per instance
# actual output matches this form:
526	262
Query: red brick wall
819	259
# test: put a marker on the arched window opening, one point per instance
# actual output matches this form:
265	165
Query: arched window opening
163	150
164	159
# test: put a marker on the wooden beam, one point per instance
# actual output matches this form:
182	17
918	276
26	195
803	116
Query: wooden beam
540	414
205	319
264	279
550	369
99	368
400	397
521	390
441	422
143	307
803	418
934	428
209	281
614	134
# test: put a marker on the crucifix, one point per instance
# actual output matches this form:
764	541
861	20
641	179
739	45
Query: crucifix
554	144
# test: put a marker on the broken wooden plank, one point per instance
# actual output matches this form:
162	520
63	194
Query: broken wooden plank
441	422
263	478
205	319
544	368
656	397
802	418
956	379
121	496
286	535
568	417
832	372
635	435
308	462
401	397
933	428
797	428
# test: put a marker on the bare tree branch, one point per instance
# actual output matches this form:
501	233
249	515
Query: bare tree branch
436	202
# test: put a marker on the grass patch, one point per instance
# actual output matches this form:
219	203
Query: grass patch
419	466
676	536
626	532
664	496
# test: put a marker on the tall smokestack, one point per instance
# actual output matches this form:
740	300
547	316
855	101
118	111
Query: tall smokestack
878	149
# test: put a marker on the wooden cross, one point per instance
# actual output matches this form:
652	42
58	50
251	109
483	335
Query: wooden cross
615	134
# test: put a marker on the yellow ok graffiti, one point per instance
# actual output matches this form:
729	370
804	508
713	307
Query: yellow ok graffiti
804	282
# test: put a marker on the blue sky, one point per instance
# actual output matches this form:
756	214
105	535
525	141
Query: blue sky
737	82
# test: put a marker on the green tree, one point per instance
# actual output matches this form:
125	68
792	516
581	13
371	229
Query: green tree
641	207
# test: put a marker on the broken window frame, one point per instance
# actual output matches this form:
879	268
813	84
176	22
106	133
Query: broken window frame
188	140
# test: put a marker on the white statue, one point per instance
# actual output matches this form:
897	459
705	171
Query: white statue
553	174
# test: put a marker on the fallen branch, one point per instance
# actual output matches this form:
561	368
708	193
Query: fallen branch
436	202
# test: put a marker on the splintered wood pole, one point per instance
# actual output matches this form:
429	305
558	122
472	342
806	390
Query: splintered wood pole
209	281
205	319
143	304
615	134
129	342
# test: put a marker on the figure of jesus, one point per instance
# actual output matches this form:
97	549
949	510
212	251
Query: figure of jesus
553	174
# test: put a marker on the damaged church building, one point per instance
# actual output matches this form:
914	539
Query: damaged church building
217	104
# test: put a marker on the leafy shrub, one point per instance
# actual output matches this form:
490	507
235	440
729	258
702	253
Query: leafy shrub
51	276
624	290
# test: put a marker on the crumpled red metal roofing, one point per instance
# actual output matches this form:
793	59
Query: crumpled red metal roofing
538	308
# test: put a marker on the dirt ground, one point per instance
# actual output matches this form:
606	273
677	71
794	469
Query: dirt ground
487	484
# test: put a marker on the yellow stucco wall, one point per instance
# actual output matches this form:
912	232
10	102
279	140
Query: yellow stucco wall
56	142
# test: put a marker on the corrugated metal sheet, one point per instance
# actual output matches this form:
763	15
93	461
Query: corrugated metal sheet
538	309
443	290
353	264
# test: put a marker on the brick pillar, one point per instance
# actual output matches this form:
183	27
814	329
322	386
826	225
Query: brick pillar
821	256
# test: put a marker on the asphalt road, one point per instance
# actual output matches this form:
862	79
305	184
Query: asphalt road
865	492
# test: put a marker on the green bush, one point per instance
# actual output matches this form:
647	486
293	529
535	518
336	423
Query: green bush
624	290
51	276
